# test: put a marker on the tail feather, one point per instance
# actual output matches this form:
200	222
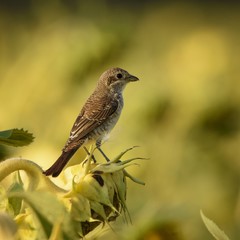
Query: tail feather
60	163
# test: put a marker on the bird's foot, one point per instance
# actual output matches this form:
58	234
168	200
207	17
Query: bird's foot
90	153
104	155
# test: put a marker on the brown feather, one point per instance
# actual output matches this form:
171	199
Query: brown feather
97	117
90	118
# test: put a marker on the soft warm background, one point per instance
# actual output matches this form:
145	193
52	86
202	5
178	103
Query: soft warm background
184	112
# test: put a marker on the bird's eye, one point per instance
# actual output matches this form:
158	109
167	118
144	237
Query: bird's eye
119	75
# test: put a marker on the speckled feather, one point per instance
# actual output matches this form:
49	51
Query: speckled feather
98	116
98	109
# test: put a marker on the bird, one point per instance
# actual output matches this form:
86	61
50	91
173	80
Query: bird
97	117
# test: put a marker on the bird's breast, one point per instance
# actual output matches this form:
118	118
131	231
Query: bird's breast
105	128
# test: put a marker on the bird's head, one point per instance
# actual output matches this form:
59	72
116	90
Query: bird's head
116	79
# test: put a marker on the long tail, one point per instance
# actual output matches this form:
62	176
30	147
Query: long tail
60	163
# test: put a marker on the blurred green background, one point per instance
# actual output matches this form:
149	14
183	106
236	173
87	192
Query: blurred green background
184	112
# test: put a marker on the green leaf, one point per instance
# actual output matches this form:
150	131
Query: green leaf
15	137
16	203
49	211
213	228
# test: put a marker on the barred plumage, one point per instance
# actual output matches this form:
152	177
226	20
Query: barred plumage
98	116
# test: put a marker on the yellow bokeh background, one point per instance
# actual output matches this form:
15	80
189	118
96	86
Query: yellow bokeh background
184	113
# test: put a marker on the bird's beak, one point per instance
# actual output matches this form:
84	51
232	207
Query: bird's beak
132	78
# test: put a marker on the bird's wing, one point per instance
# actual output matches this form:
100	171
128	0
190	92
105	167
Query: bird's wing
93	114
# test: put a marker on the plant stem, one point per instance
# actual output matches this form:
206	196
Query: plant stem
33	171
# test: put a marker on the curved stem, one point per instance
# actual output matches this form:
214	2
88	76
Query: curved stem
33	171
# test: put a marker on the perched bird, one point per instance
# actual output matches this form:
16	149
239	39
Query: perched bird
98	116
